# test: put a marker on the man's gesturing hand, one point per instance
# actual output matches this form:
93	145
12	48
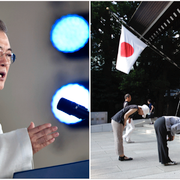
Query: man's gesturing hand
41	136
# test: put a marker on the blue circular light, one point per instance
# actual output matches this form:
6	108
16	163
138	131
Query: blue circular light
73	92
70	33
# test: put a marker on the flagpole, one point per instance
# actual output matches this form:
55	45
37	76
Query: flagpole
141	37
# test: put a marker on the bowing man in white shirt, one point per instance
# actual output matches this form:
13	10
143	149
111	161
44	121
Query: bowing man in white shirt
17	147
166	127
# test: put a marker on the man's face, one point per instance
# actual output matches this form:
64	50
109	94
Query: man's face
4	67
129	98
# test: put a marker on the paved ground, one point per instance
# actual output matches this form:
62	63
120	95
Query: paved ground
105	163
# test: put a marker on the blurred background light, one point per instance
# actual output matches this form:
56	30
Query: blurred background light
70	33
74	92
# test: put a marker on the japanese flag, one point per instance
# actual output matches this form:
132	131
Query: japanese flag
130	47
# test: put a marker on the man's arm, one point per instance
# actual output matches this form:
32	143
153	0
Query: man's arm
152	107
124	105
126	116
17	147
175	129
15	152
170	136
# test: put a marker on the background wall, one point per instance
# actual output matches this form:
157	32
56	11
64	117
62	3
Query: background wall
37	73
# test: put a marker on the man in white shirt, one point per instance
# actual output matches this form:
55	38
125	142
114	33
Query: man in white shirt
17	147
166	127
130	123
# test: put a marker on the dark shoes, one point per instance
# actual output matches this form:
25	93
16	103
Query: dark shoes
170	163
124	158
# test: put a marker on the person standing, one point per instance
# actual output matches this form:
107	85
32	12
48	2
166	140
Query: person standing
166	127
130	123
118	122
151	107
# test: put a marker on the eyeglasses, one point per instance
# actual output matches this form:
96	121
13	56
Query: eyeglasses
10	57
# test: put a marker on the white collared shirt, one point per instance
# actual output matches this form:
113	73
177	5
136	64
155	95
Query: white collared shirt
172	124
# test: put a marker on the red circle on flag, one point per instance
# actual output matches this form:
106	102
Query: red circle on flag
126	49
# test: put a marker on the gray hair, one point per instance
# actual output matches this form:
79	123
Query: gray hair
3	26
126	96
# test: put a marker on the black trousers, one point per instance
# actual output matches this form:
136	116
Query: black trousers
161	135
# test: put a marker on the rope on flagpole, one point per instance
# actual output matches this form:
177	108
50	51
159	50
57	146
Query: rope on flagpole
141	37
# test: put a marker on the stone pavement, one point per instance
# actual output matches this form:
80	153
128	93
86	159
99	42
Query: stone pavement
145	164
